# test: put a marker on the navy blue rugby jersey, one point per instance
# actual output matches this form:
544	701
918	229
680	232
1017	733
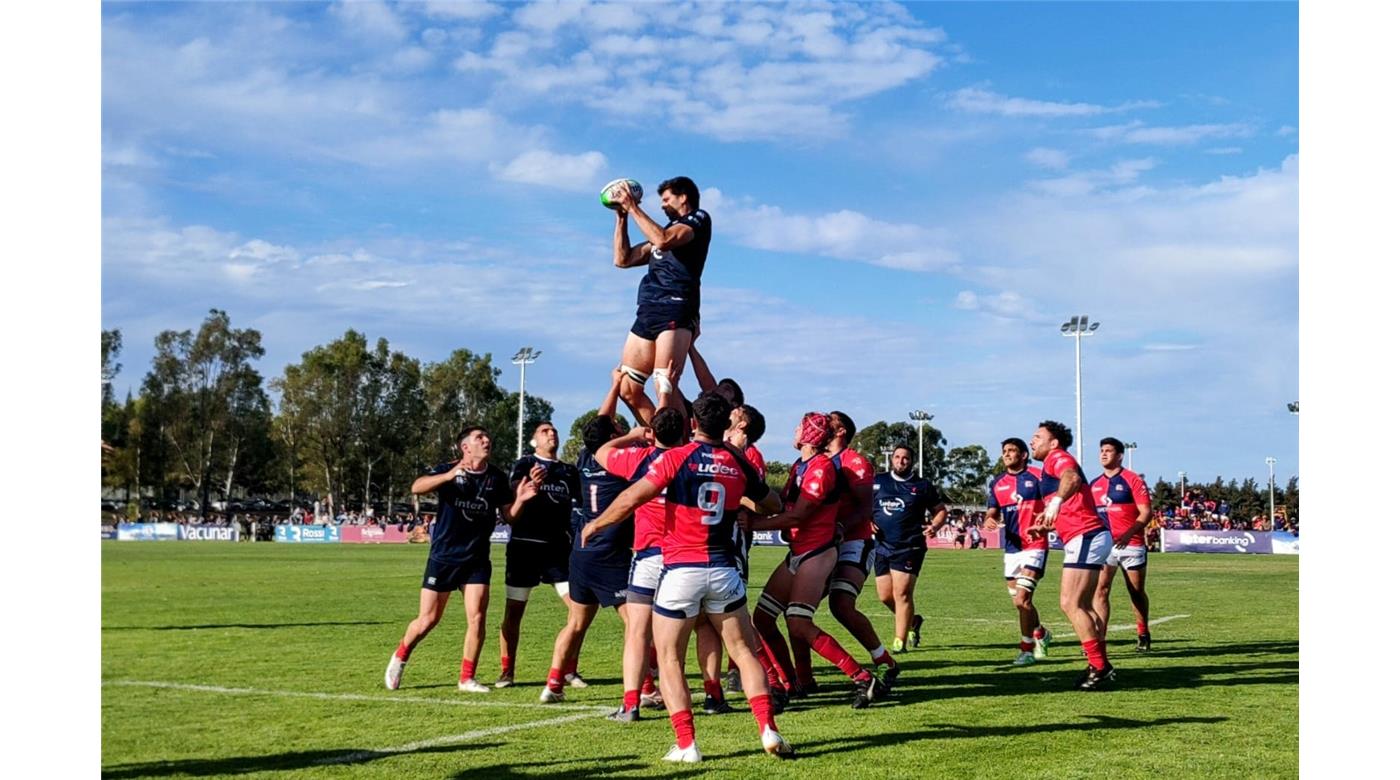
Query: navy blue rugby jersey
612	545
673	275
547	517
467	513
900	508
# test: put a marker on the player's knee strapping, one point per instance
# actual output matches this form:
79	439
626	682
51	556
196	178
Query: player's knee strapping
770	606
562	588
845	586
635	375
515	593
798	610
1027	584
662	377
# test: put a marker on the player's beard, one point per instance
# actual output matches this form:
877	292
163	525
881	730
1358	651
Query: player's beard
670	213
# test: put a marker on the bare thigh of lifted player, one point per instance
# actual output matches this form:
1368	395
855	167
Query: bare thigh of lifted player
662	360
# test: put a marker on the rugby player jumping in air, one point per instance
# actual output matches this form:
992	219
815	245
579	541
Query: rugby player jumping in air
704	482
668	298
1013	501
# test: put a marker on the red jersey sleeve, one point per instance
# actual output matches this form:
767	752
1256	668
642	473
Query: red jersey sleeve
623	462
858	470
664	468
819	480
755	459
1058	462
1140	495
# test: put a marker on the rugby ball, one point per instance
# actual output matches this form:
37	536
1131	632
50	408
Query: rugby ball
613	188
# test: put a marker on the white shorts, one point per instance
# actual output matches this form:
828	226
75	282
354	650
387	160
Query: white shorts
857	552
1132	557
1088	550
644	577
685	590
1031	559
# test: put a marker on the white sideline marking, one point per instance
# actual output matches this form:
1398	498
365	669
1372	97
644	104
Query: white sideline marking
465	736
1133	626
591	709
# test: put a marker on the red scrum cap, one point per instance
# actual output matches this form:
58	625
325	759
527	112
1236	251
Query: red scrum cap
816	430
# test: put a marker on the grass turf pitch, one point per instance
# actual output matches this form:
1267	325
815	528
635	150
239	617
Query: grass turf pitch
239	660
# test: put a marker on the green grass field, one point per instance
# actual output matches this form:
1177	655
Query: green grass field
251	660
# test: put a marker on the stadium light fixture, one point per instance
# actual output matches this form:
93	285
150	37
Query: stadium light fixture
921	417
1293	407
1078	327
1130	446
887	450
523	358
1182	476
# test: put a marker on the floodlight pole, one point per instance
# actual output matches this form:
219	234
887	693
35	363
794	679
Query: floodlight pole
1078	326
1130	446
887	450
1271	460
523	358
921	417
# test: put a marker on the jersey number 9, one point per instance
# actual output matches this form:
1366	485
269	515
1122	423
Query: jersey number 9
710	499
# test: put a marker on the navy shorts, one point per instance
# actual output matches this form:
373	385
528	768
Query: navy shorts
908	560
655	318
531	563
447	577
591	583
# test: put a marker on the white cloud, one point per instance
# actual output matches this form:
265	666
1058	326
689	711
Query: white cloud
461	10
370	18
981	101
1286	130
844	235
564	171
1048	158
1006	304
1137	132
1225	150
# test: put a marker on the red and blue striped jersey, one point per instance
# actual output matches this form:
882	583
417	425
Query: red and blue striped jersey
1017	498
1117	499
703	484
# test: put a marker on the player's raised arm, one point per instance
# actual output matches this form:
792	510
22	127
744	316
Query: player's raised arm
525	490
703	376
624	254
622	507
804	508
634	438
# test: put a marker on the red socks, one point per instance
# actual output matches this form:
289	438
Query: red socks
555	682
1142	629
1094	650
684	724
402	652
714	690
1027	646
827	647
884	657
570	666
468	669
648	685
507	665
762	707
631	700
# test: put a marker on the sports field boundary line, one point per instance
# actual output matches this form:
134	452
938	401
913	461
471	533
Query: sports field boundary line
466	736
588	708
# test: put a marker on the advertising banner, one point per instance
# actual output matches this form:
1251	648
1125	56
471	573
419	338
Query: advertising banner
767	538
209	533
1217	542
308	534
109	532
501	535
1285	543
148	532
373	534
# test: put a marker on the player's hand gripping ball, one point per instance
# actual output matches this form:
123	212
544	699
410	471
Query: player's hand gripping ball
613	190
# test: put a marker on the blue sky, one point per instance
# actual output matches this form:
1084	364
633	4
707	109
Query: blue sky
907	200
